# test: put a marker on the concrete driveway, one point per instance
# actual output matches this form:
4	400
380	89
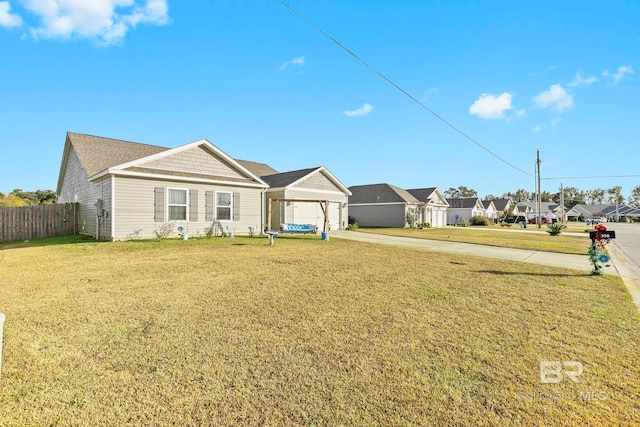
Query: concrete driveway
625	253
575	262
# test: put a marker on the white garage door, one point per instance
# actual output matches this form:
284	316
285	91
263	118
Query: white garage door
311	213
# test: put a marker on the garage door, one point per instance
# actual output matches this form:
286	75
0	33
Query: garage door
311	213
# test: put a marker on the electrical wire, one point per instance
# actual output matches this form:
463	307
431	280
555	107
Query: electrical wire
404	92
590	177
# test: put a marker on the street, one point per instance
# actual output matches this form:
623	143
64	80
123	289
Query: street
627	239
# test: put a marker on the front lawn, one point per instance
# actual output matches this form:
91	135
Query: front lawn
307	332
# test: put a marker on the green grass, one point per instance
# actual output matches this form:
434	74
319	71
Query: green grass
492	237
307	332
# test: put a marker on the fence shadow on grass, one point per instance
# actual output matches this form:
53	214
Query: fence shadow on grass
49	241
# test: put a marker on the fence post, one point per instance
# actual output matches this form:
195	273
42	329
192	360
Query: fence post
2	317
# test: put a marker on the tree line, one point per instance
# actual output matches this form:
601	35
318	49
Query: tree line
572	196
28	198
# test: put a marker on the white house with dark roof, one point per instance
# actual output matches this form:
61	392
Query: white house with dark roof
434	205
463	209
490	210
382	205
505	207
126	189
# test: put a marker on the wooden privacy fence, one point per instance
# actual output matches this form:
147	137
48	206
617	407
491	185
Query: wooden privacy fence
37	222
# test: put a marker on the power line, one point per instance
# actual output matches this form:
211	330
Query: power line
392	83
591	177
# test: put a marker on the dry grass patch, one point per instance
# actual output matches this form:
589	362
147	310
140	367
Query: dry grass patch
308	332
507	239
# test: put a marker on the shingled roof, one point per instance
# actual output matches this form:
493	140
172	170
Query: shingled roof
380	193
97	153
281	180
463	202
258	169
422	193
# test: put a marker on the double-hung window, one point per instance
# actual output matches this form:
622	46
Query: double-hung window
224	205
177	204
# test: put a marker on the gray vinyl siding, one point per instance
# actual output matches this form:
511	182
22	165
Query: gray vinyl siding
135	207
197	161
75	183
391	215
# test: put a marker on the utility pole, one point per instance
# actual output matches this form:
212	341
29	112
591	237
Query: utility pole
539	218
562	204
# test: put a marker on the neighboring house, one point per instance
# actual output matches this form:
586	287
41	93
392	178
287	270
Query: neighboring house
621	213
383	205
463	209
505	207
126	189
315	184
434	205
547	209
490	210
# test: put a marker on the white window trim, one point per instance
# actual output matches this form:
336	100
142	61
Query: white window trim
186	219
230	205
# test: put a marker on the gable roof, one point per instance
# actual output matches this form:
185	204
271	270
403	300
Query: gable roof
464	203
100	156
291	178
487	203
285	179
379	193
424	195
258	169
502	204
97	153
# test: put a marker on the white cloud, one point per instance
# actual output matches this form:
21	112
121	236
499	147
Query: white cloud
490	106
299	61
362	111
622	71
536	128
7	19
106	21
556	98
582	81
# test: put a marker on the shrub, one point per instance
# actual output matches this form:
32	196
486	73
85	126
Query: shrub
480	220
555	228
425	225
353	226
463	222
163	231
411	219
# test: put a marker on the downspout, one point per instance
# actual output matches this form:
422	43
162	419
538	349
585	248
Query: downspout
263	194
113	207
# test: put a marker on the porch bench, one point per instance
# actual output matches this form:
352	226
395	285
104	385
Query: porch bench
298	228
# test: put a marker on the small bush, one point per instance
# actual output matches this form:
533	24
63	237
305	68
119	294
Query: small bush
353	226
480	220
163	231
425	225
555	228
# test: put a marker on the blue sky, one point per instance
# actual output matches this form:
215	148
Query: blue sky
262	84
